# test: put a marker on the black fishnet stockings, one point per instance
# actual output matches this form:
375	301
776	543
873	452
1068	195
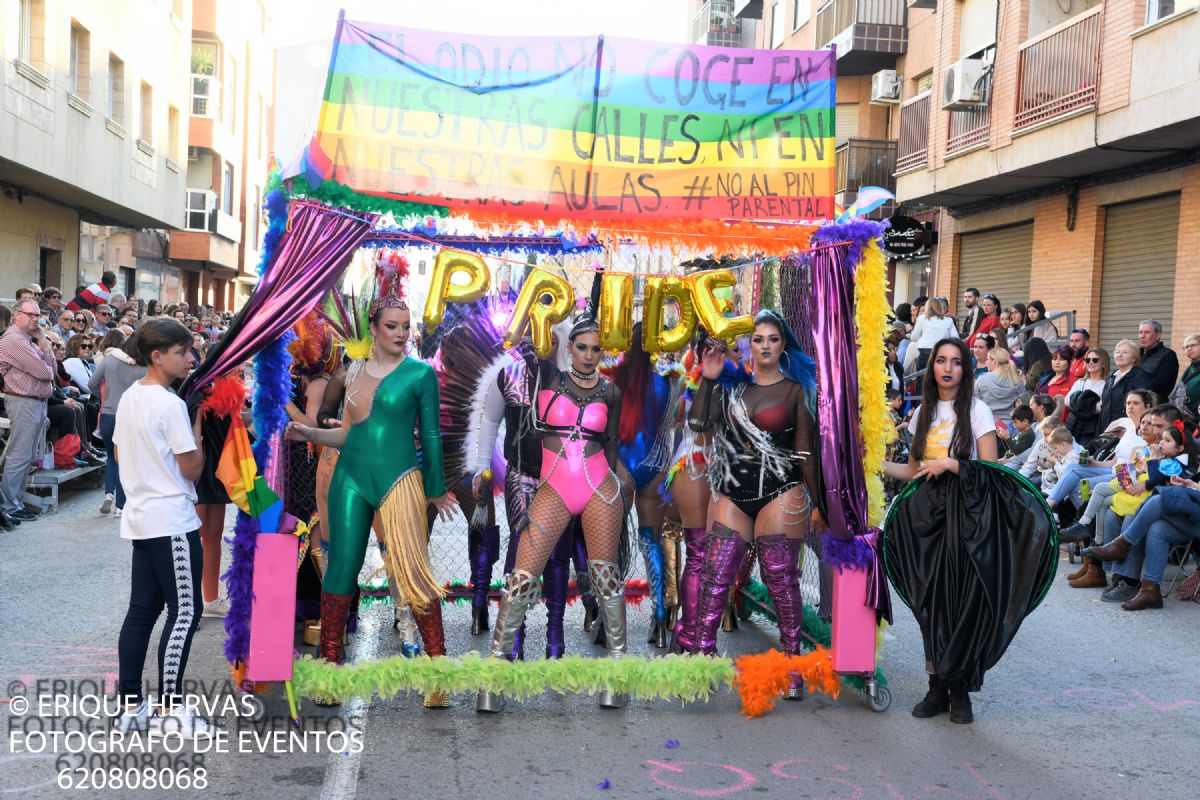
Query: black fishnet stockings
548	518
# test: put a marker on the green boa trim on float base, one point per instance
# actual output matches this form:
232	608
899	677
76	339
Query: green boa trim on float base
815	629
686	678
459	592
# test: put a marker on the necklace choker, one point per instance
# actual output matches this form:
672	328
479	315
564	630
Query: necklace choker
582	376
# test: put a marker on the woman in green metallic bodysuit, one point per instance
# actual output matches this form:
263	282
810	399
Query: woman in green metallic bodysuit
387	396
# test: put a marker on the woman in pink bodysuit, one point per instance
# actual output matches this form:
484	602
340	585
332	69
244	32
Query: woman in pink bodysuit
577	416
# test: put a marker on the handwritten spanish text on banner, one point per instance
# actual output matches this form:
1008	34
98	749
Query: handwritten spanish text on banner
584	127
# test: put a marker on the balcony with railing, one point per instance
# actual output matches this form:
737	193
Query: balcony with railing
717	25
865	162
869	34
969	129
912	149
1057	70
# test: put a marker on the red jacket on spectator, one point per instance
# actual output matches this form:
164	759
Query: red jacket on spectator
1058	387
95	295
1078	369
988	325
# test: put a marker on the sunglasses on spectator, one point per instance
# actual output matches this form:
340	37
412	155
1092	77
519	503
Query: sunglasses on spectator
81	319
103	313
991	297
85	347
1091	361
58	346
54	297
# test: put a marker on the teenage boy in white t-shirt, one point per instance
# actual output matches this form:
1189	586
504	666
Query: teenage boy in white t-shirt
159	455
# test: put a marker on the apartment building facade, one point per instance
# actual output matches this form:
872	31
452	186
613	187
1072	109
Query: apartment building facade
92	109
1045	149
231	75
869	36
1056	148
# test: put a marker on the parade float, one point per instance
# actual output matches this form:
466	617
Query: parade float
553	159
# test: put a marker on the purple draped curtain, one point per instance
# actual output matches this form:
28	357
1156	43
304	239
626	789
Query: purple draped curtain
837	373
307	262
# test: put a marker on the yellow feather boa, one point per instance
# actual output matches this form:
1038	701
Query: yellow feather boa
871	315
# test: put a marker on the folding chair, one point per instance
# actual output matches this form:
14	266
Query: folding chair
1184	552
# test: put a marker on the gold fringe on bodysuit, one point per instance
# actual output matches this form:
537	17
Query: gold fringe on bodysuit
405	532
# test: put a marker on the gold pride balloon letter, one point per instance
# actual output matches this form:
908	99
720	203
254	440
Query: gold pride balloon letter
616	311
542	316
443	290
658	289
712	311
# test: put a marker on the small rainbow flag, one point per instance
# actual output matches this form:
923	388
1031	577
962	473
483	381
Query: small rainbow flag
238	472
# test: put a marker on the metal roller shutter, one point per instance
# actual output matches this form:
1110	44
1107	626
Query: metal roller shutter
996	262
1138	277
846	121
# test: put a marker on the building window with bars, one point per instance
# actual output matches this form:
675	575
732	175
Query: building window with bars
205	86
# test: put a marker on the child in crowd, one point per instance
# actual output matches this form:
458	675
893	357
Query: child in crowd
159	456
1013	446
1064	451
897	449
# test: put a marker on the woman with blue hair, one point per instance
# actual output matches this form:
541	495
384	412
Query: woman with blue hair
763	468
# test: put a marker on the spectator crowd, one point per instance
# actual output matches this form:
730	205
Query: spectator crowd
63	367
1110	438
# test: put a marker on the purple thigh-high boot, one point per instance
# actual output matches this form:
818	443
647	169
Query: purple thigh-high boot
724	550
555	578
483	546
689	586
510	561
779	563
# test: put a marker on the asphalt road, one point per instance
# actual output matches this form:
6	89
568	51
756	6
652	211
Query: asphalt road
1090	700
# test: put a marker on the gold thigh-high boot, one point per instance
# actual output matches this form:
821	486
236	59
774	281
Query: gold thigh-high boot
521	590
609	589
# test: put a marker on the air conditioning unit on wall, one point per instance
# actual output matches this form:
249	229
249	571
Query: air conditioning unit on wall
885	87
963	85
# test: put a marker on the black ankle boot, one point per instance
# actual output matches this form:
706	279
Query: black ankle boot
960	705
937	700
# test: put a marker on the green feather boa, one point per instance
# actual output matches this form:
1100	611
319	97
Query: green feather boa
335	194
686	678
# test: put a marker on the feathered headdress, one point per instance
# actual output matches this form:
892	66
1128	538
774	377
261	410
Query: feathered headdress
312	350
391	269
348	316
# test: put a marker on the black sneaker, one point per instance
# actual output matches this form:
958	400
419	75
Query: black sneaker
23	515
1119	592
1079	532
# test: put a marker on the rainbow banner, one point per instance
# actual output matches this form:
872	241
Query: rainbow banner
577	128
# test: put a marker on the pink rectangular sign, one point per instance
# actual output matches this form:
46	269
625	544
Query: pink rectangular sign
273	611
853	642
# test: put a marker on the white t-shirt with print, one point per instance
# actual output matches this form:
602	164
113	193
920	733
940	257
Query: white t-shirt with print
941	427
151	429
